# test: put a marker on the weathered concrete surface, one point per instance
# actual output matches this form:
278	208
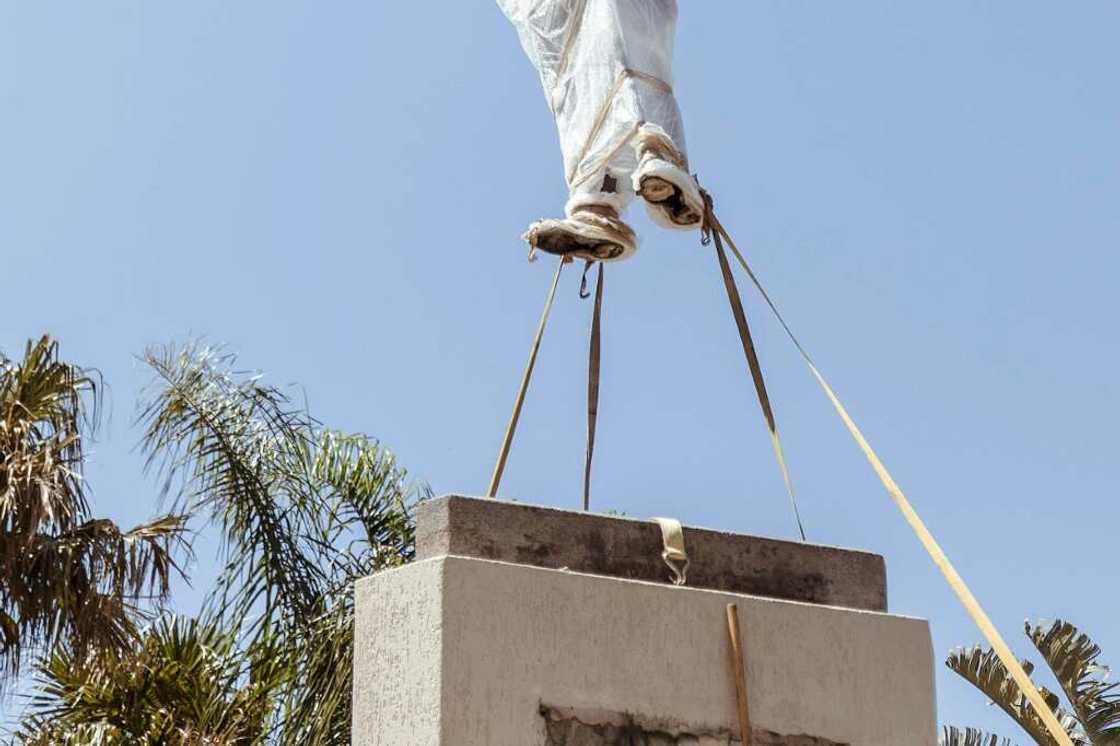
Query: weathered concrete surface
627	548
398	654
567	728
455	651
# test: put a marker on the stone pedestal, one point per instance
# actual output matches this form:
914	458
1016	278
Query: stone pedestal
526	626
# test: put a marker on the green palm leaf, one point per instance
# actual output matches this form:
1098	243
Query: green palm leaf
65	577
236	447
183	682
984	670
1073	657
304	511
951	736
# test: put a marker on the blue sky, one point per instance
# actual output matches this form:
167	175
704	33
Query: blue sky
336	190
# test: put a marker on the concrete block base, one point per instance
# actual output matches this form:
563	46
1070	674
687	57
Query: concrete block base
628	548
457	651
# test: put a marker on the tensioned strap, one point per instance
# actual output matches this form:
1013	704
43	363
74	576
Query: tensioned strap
673	552
593	363
756	370
956	582
503	453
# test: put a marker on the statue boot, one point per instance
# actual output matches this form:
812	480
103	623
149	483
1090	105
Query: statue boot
593	229
672	195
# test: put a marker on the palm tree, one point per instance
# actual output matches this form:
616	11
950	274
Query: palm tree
1093	718
183	683
66	578
303	511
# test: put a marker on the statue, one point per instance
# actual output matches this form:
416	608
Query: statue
606	68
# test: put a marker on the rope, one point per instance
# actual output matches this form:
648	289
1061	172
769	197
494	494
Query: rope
956	582
507	441
600	120
752	359
593	365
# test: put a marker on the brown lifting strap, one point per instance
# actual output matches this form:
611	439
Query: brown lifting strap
936	553
593	364
749	350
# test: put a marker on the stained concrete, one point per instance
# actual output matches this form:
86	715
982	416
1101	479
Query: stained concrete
628	548
459	651
566	728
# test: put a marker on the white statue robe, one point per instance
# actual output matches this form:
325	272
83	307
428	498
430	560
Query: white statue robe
606	68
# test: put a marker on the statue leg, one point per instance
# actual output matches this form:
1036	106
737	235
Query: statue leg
645	109
605	66
593	228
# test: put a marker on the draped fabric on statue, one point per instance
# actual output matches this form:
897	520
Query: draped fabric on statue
606	68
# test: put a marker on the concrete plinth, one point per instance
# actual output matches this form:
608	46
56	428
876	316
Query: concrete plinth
465	651
628	548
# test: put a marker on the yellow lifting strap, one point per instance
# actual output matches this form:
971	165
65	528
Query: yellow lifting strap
756	372
956	582
523	388
673	552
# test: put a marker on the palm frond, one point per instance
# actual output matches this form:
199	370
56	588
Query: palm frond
38	731
984	670
951	736
369	494
1074	659
317	706
64	577
183	682
231	442
304	511
45	405
86	587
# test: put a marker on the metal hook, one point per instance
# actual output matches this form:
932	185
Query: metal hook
583	293
709	211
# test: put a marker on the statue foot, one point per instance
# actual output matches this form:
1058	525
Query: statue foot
593	232
662	180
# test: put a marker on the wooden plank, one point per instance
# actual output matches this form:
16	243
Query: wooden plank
735	650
